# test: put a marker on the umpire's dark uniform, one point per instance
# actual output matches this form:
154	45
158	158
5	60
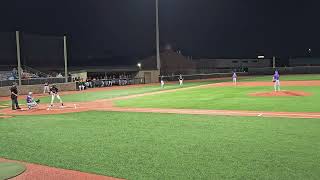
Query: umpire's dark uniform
14	97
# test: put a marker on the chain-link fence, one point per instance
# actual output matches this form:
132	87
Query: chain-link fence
33	81
36	51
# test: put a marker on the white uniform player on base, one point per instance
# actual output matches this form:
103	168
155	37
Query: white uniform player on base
234	78
162	82
46	88
181	80
54	94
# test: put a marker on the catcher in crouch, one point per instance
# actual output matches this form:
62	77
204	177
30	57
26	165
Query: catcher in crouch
54	93
31	102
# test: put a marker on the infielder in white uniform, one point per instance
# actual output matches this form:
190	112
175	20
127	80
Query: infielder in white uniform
46	88
234	78
181	80
162	82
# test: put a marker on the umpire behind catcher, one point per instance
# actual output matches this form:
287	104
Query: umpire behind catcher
14	96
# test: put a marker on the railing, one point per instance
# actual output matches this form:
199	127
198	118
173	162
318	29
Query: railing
117	81
33	81
34	71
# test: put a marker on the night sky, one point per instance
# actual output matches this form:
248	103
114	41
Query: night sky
199	28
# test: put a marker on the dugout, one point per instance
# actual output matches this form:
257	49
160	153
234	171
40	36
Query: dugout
107	72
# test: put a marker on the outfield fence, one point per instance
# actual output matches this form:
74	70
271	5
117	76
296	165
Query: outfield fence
202	76
285	70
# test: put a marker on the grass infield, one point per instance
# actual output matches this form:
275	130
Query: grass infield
92	96
229	98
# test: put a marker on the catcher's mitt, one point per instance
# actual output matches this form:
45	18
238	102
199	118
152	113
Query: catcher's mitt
38	101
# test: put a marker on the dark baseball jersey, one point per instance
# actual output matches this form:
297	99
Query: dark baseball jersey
54	90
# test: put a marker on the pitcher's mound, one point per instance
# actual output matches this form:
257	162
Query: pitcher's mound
281	93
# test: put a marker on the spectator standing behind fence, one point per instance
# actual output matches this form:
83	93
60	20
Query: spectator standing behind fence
14	97
14	73
81	85
59	75
46	88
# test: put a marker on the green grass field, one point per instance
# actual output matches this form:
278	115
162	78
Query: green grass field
229	98
162	146
92	96
174	146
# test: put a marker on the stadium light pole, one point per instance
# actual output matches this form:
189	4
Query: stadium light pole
18	55
158	35
65	58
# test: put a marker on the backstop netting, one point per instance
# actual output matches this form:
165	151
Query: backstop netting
42	56
8	54
42	52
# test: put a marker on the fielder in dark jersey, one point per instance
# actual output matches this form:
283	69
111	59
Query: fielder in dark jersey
54	93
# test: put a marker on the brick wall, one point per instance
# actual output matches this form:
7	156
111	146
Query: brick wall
37	89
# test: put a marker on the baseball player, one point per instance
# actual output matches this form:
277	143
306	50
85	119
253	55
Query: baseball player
46	88
181	80
234	78
162	82
54	93
81	85
31	103
276	80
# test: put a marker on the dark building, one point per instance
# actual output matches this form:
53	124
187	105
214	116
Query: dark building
171	63
304	61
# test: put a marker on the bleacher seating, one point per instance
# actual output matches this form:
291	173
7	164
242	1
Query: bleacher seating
5	75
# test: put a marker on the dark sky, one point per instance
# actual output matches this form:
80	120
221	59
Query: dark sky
199	28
